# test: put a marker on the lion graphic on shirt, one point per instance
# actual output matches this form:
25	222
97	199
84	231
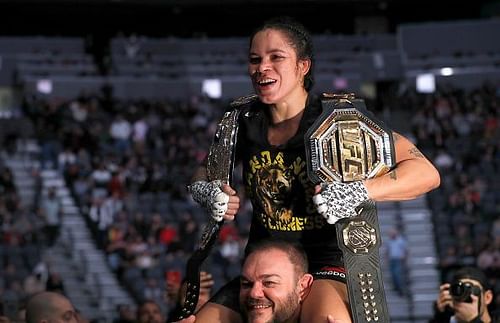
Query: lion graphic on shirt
273	190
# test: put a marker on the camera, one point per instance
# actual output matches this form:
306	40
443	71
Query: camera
461	291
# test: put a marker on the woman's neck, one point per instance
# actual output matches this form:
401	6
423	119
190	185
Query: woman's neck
289	108
285	121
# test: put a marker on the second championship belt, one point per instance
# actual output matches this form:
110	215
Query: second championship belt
346	144
220	165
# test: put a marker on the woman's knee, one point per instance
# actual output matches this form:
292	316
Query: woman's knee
327	297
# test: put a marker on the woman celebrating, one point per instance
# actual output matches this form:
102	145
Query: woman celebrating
286	204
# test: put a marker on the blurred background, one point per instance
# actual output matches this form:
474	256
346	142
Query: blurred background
106	108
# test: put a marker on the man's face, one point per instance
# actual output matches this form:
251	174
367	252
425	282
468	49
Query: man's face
150	313
64	313
269	288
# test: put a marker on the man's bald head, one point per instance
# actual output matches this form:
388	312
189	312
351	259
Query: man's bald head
49	307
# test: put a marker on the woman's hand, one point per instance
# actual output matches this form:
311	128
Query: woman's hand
219	199
336	200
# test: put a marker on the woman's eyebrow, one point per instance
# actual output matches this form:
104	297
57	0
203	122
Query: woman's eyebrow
271	51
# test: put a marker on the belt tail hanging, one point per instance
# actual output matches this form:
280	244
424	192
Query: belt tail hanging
359	240
219	167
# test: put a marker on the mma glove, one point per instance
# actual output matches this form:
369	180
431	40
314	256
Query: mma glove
339	200
211	197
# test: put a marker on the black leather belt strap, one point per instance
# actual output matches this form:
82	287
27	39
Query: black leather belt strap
219	167
359	240
193	268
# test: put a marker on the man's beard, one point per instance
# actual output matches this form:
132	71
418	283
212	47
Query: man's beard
287	309
282	311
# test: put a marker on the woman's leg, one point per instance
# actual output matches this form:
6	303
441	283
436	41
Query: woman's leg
327	297
216	313
222	307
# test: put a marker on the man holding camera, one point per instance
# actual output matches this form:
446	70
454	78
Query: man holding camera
465	299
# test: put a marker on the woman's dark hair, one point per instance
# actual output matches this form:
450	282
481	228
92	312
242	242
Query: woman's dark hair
299	38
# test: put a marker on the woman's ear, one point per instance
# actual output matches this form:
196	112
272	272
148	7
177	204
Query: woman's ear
305	65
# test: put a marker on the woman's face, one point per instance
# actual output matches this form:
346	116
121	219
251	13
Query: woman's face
273	66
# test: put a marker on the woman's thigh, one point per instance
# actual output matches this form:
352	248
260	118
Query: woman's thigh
223	307
327	297
216	313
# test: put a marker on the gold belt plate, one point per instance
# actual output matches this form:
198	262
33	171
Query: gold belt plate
345	144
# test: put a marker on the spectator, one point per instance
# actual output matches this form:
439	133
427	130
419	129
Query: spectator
168	234
397	252
101	177
188	232
50	307
139	135
65	159
153	291
489	259
79	111
102	218
150	312
48	129
125	314
116	247
55	283
52	211
120	132
32	285
443	160
465	299
116	185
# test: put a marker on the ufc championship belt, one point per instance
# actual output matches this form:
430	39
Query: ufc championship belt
219	167
345	144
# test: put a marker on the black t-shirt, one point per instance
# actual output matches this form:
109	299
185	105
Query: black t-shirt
277	184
